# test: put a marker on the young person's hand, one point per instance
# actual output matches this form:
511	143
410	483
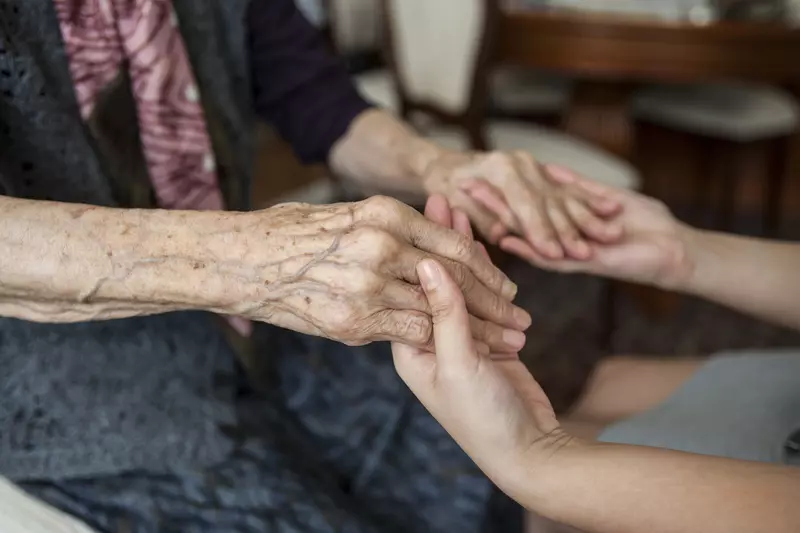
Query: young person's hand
653	246
490	404
492	407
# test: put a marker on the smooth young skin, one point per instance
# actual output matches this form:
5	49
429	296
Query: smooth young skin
498	413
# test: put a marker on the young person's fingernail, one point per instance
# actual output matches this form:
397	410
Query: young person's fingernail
514	339
553	250
430	275
582	249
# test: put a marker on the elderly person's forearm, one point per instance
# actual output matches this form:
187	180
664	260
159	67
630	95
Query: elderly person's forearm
381	153
342	271
67	262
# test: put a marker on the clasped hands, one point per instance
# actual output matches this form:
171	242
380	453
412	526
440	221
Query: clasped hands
379	270
491	405
348	271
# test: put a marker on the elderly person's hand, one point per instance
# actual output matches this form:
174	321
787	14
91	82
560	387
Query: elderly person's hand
557	219
348	272
653	247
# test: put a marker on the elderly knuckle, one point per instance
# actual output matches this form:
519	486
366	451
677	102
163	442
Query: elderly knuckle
376	241
342	325
416	329
463	248
496	306
460	275
382	208
501	163
367	284
498	157
345	324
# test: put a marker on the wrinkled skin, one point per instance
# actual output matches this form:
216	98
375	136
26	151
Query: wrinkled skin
347	272
555	217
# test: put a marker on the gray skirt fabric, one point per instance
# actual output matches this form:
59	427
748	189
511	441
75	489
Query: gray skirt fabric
337	443
742	406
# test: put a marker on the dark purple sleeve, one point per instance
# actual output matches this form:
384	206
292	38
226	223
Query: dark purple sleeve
299	86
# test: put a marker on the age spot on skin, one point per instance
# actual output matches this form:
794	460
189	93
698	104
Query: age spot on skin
80	211
308	300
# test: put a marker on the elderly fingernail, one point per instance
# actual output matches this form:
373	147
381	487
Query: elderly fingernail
522	318
429	274
509	289
514	339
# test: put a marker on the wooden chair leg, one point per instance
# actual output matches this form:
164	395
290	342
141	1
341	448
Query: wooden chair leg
772	208
706	182
731	157
608	315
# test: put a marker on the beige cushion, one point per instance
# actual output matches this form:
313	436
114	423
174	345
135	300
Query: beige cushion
529	91
436	44
548	146
728	111
378	88
673	10
21	513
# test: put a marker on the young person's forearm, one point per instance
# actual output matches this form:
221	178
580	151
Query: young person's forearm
604	488
382	153
67	262
754	276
